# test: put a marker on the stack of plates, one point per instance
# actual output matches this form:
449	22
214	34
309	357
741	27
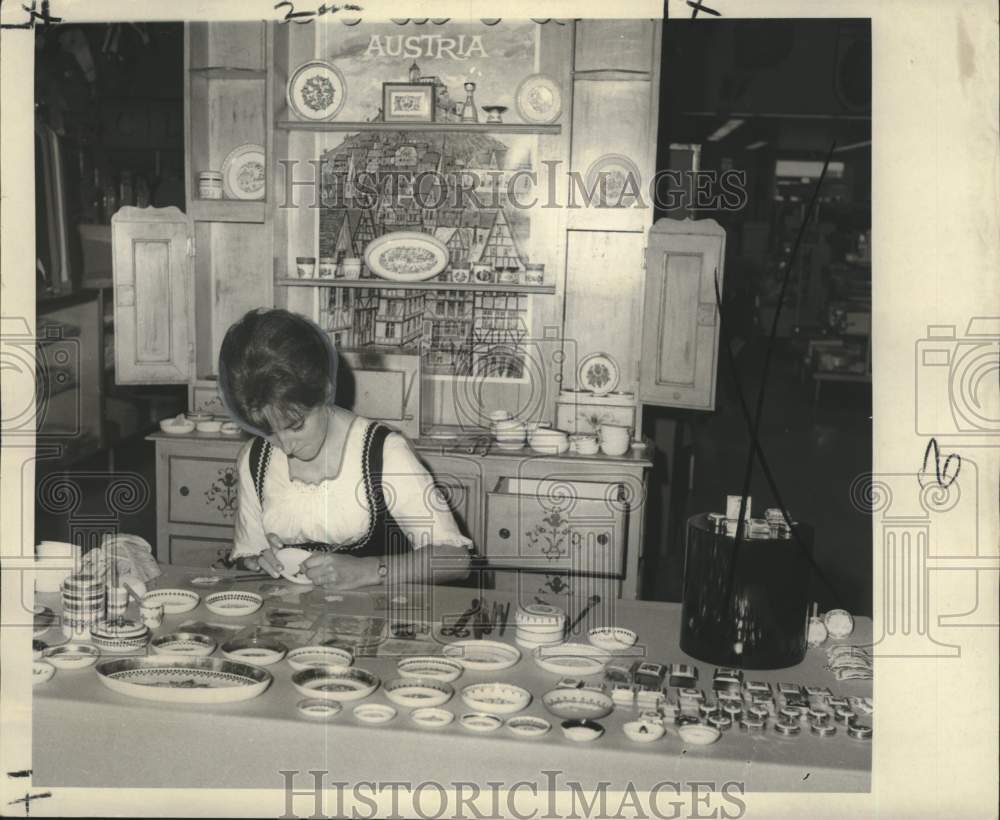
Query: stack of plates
539	625
84	599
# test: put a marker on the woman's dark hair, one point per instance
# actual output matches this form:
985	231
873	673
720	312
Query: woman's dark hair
279	360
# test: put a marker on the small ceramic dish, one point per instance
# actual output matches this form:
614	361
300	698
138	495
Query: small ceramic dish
571	659
44	618
418	692
119	645
177	426
374	713
175	601
445	670
306	657
528	726
183	643
578	703
698	734
197	417
123	629
643	731
73	655
291	560
612	638
335	682
229	428
259	652
431	717
209	425
316	709
481	722
41	672
496	698
234	604
582	730
482	655
539	614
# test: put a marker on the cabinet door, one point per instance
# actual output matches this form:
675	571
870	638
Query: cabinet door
198	551
153	329
460	479
680	331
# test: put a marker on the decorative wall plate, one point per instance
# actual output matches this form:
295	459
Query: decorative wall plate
184	680
234	604
429	666
431	717
175	601
374	713
598	373
578	703
406	256
538	99
483	656
244	172
335	682
418	692
316	709
184	643
306	657
496	698
616	180
316	91
291	560
571	659
528	726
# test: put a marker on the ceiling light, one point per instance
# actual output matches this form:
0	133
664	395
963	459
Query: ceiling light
753	146
724	131
852	146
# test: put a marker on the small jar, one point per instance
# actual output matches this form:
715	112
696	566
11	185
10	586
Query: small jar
352	267
117	602
507	277
460	275
151	614
534	273
210	185
327	267
483	274
306	266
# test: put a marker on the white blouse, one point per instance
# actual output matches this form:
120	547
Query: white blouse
335	511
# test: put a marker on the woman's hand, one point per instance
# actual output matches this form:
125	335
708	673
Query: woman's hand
341	571
268	560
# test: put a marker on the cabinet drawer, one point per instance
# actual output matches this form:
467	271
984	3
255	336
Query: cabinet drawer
553	525
201	490
198	550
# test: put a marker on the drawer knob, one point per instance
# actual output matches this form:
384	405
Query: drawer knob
603	539
504	532
184	490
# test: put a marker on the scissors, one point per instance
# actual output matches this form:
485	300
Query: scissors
458	630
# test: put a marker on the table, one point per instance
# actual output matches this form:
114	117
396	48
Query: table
85	735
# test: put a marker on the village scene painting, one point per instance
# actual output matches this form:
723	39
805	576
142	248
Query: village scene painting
467	189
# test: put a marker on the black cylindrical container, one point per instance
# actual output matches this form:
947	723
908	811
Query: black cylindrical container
765	625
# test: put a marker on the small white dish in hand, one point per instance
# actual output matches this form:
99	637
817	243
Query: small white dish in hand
291	559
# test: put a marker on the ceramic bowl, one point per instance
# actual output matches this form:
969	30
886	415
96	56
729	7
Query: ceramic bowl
528	726
549	441
643	731
229	428
374	713
41	672
571	659
578	703
431	717
175	601
183	643
254	651
307	657
209	426
316	709
612	638
582	730
430	666
483	655
234	604
698	734
335	683
496	698
198	417
412	692
73	655
481	722
177	426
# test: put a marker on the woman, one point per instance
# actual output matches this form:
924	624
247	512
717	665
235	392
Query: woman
320	477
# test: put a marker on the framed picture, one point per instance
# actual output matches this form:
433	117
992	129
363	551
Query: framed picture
408	102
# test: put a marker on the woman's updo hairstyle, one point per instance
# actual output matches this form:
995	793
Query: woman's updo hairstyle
279	360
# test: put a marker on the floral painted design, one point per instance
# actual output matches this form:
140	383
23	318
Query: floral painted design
318	93
223	492
598	375
407	260
549	537
250	177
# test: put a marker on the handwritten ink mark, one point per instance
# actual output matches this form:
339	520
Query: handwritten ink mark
697	6
303	17
21	773
27	801
941	476
34	16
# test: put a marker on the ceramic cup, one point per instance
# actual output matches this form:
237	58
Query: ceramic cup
484	274
327	267
352	267
151	614
534	273
615	439
117	601
585	445
507	277
305	266
460	275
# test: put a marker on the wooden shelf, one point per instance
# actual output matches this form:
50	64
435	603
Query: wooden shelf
228	210
478	127
383	284
220	72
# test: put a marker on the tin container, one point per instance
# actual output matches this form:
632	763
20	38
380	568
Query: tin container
210	185
762	624
327	267
305	266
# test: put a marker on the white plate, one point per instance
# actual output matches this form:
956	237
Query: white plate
234	604
335	682
571	659
316	91
184	680
41	672
316	709
184	643
429	666
244	172
406	256
431	717
481	722
538	99
483	656
598	373
291	559
612	638
306	657
418	692
374	713
578	703
175	601
528	726
496	698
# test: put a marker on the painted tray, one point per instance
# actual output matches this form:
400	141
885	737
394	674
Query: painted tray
571	659
244	172
598	373
406	256
483	656
538	99
184	680
175	601
578	703
316	91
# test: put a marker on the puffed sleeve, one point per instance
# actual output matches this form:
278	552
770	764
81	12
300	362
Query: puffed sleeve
249	537
418	507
